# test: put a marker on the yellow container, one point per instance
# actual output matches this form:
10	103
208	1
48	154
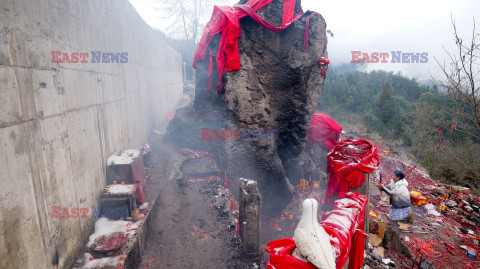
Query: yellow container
415	194
421	201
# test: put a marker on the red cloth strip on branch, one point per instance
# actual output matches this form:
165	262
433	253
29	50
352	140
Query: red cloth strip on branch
225	19
347	163
344	224
324	130
440	134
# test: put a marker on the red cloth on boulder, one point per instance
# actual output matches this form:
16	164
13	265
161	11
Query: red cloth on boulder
225	19
347	163
324	130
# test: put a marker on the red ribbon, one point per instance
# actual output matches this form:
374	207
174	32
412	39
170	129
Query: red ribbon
440	134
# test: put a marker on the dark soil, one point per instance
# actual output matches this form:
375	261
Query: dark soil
187	229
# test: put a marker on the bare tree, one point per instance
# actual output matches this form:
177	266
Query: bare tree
186	18
462	78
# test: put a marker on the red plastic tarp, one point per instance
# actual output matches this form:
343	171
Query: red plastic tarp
225	20
344	224
347	163
324	130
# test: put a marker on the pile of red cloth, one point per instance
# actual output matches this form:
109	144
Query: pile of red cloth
347	163
324	130
344	224
225	20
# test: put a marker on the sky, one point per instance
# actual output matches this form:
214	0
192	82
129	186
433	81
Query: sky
409	26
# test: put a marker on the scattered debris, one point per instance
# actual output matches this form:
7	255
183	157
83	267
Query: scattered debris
404	226
110	242
374	239
447	220
378	253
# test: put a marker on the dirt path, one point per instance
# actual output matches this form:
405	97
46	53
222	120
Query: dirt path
184	231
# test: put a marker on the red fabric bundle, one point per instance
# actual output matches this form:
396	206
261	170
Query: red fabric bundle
281	255
347	163
324	130
354	200
225	19
357	201
344	224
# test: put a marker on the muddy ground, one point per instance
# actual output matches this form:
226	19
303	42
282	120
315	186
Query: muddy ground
186	229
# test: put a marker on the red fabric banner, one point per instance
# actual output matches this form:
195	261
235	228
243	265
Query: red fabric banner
324	130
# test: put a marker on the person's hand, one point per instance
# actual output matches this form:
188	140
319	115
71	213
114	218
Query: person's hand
380	186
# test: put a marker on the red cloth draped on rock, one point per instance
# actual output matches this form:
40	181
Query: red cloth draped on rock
347	163
324	130
345	226
225	19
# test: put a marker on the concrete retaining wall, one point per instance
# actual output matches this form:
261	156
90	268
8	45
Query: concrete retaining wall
60	121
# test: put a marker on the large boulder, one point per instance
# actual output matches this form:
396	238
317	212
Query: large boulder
277	89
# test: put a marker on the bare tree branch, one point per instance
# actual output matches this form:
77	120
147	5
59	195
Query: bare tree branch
462	76
186	18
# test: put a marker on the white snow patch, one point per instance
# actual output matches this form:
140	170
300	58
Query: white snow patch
127	157
144	206
105	226
120	189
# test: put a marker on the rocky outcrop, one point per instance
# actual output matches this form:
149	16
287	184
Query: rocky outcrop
277	88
